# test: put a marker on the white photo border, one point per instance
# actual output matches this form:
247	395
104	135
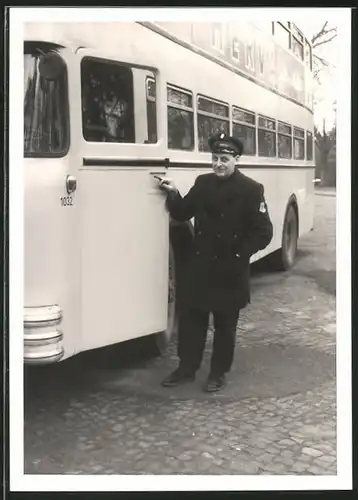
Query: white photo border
21	482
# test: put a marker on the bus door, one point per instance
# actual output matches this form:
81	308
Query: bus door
123	221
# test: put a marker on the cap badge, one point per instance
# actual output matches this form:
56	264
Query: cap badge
222	136
262	207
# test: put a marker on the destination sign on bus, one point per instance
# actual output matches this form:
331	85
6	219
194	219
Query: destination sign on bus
251	51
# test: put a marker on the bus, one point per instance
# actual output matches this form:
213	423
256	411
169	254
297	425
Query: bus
110	106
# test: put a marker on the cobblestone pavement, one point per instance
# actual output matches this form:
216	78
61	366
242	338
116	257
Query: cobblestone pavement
277	415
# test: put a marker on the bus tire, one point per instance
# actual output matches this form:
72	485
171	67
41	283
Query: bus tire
285	257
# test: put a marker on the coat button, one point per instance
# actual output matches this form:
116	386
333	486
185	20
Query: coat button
197	252
235	236
237	255
199	233
218	235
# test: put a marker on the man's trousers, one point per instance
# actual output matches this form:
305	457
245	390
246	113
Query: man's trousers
192	333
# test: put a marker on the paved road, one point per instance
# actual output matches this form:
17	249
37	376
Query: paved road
99	414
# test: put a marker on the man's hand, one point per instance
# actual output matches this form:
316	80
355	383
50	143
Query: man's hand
167	185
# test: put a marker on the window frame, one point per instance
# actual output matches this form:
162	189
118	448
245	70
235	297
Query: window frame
113	62
290	135
287	29
310	58
300	138
210	115
151	99
217	101
294	33
302	44
59	49
148	97
309	133
243	123
260	127
182	108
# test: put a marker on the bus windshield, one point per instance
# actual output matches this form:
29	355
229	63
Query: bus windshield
46	127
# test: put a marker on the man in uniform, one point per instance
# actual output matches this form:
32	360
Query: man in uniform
231	224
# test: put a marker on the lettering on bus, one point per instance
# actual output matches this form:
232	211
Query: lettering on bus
66	201
251	51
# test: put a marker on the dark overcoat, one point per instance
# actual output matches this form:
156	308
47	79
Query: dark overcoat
231	224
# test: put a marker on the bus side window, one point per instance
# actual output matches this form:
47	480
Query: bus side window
243	127
284	140
299	143
115	105
309	149
213	118
180	119
267	136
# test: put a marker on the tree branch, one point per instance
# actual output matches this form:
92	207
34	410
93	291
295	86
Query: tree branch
324	41
323	61
320	33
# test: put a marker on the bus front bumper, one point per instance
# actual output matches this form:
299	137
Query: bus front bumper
43	340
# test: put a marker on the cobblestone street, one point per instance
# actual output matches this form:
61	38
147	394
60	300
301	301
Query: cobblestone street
94	415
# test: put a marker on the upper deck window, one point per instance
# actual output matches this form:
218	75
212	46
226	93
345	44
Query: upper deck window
283	36
213	117
243	128
308	55
180	118
296	33
217	39
46	123
114	96
297	47
290	37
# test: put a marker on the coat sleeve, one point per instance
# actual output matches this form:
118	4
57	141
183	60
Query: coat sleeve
259	225
183	208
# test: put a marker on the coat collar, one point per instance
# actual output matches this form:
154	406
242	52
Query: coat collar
232	186
221	191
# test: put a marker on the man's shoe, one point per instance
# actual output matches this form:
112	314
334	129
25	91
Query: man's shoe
178	377
215	383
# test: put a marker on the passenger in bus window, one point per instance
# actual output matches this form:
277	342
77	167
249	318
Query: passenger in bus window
231	224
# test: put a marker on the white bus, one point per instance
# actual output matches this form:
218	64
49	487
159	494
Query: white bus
108	106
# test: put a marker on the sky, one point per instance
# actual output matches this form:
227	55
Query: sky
325	93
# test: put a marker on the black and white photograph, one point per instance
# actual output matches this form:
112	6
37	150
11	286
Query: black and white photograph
180	280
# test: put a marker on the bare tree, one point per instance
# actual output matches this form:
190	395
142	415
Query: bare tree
320	38
326	155
323	36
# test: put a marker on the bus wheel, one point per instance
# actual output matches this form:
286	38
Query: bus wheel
163	338
285	256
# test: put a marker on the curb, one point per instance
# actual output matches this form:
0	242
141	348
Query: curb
332	195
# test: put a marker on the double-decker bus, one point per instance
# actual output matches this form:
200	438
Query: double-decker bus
109	106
